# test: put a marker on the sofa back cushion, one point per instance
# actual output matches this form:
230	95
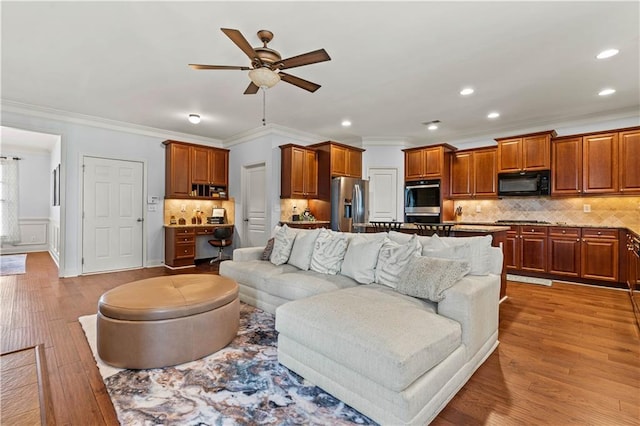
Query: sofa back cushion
303	249
328	252
361	257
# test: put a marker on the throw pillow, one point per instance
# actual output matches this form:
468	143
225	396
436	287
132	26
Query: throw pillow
436	247
429	278
266	254
303	249
361	259
328	252
393	258
284	239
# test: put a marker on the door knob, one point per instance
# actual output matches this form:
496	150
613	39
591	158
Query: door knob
246	220
139	219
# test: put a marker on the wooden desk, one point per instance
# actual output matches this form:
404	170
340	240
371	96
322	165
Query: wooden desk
180	243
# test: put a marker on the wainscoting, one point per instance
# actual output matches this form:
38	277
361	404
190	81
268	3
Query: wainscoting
34	236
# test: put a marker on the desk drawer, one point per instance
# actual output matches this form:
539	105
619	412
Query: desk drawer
185	251
183	231
205	231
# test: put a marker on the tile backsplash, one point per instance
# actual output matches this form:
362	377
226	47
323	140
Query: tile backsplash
286	207
604	211
173	208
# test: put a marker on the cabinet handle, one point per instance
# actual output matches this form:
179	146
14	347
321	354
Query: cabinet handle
185	251
578	240
564	232
599	233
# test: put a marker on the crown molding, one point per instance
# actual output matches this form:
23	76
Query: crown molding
102	123
384	141
273	129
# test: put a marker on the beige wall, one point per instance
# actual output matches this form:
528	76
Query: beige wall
605	211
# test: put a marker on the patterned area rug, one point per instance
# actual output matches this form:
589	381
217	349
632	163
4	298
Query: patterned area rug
12	264
240	384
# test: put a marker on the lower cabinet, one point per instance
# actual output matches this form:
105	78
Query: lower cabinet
179	246
600	254
563	251
526	248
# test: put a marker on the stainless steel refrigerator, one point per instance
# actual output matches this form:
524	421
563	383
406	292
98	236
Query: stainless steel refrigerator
349	203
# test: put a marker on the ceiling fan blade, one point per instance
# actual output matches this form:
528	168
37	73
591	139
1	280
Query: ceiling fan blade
237	37
252	89
297	81
305	59
217	67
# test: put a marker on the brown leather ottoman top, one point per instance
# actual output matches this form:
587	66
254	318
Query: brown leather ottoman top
172	296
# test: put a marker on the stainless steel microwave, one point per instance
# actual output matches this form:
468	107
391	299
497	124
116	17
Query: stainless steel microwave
524	183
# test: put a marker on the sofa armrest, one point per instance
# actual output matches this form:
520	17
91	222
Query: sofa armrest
247	253
473	302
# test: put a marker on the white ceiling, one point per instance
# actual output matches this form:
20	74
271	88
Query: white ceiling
394	64
18	140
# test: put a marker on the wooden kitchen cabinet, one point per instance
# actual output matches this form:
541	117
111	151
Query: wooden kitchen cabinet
525	152
563	254
179	246
431	162
178	170
629	153
600	254
566	166
474	174
526	248
600	163
299	172
336	159
192	170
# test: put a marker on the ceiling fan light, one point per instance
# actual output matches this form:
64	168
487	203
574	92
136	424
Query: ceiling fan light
194	118
264	77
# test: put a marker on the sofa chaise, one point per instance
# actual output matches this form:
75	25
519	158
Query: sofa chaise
396	358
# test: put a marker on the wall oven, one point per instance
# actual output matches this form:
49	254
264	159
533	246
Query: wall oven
422	201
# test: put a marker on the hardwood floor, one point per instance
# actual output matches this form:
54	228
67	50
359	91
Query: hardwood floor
568	354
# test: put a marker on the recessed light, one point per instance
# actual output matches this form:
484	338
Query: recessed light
194	118
346	123
607	53
607	92
493	115
432	126
466	91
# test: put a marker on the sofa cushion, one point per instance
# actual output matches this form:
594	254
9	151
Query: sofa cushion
328	252
429	278
361	258
388	337
302	249
253	273
393	258
284	239
479	252
301	284
268	249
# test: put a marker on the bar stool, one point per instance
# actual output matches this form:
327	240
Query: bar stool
386	226
427	229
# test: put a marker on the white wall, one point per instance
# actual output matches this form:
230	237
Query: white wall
54	211
80	139
387	156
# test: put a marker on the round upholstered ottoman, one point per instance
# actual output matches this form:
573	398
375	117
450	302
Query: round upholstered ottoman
167	320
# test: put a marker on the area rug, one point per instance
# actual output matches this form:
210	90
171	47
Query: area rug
240	384
529	280
13	264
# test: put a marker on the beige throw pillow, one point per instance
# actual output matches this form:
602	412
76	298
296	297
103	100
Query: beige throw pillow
429	278
393	258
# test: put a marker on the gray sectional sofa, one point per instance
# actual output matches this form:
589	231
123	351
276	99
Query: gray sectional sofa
396	358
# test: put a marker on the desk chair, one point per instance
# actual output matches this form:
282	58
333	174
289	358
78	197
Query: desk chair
222	237
386	226
427	229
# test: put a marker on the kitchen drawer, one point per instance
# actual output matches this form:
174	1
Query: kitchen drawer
600	233
562	231
184	251
533	229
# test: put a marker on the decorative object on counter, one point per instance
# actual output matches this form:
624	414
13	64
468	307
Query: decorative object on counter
217	216
441	229
386	226
295	216
182	221
459	213
173	220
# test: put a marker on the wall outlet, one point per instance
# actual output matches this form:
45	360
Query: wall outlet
183	207
478	208
586	208
198	207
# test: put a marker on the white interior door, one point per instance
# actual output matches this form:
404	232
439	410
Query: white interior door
112	215
383	194
254	203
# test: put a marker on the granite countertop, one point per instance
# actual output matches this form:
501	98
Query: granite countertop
323	222
466	227
635	228
201	225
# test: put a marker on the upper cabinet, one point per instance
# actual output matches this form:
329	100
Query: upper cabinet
299	172
474	173
599	163
430	162
336	159
526	152
196	171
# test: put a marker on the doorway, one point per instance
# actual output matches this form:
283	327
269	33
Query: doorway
254	206
112	215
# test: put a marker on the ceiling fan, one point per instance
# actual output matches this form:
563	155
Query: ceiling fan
266	64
